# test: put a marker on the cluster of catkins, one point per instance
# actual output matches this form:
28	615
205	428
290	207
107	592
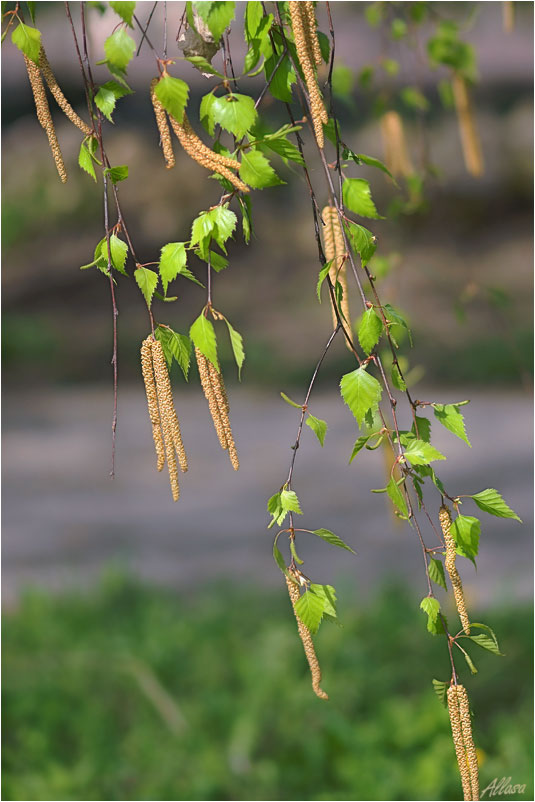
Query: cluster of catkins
461	728
36	74
335	250
191	143
304	25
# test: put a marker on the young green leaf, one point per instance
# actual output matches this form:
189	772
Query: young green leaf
328	594
431	607
450	417
393	316
256	170
361	392
318	426
466	530
146	280
322	276
286	150
203	335
369	330
490	501
334	540
290	502
116	174
469	661
397	379
28	40
175	346
173	95
424	428
108	95
371	161
436	572
357	197
173	258
310	608
359	445
118	250
125	11
418	452
235	113
486	643
396	496
441	690
119	49
217	16
362	241
236	341
85	161
224	221
279	559
281	83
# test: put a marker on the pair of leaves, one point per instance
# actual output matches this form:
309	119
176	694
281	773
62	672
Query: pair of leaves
108	95
217	224
173	259
118	252
280	504
431	607
202	332
314	603
175	346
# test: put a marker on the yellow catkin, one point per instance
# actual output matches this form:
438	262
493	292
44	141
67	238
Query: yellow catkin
165	403
395	148
209	394
152	401
308	644
59	97
173	419
451	554
334	247
220	394
44	116
508	16
163	127
466	726
458	740
311	29
207	158
300	29
473	155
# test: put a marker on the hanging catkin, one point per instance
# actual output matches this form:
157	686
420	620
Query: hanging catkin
458	741
395	148
473	156
216	395
304	31
308	644
152	400
311	32
60	98
163	127
207	158
466	726
451	554
334	247
44	116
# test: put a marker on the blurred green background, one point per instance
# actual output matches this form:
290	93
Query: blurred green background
181	676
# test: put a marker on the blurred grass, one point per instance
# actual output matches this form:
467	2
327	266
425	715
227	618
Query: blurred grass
131	692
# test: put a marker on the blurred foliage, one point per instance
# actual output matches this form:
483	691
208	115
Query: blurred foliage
135	693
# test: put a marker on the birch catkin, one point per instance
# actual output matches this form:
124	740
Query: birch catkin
308	644
152	400
451	555
163	127
59	97
458	741
473	156
44	116
304	32
334	246
466	726
311	32
395	148
207	158
216	395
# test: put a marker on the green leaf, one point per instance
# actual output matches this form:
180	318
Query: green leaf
431	607
362	241
281	83
119	250
85	161
318	426
418	452
235	113
173	262
441	690
203	335
371	161
393	316
466	530
247	222
116	174
290	502
469	661
125	11
236	341
225	223
254	14
414	98
328	594
310	608
256	170
108	95
397	379
28	40
175	346
31	9
424	428
294	553
361	392
486	643
205	113
286	150
359	445
146	280
357	197
397	497
490	501
450	417
119	49
369	330
322	276
279	559
203	65
436	573
217	16
173	95
334	540
290	402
